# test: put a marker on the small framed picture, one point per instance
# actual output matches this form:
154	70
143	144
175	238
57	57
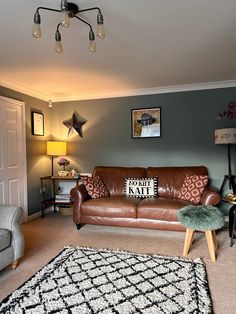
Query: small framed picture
146	122
37	123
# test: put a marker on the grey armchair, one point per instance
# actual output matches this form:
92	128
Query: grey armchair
11	237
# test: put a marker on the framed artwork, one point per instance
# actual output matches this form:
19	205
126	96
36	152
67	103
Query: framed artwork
146	122
37	123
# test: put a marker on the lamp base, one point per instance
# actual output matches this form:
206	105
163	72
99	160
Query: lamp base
232	185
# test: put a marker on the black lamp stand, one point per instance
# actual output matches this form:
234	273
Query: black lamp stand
229	177
52	167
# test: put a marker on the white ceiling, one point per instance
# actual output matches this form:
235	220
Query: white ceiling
150	46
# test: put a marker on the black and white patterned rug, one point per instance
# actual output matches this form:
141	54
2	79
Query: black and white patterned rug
85	280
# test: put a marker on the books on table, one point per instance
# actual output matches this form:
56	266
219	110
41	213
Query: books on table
63	198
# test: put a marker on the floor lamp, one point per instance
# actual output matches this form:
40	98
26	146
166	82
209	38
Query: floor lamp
227	136
54	149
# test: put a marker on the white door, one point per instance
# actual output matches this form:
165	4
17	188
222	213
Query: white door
12	154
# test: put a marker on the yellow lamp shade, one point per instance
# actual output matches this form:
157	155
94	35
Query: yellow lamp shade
55	148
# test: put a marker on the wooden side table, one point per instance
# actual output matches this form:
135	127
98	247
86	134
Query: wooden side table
47	201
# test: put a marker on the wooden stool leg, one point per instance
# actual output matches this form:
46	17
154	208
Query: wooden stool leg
211	244
215	240
188	240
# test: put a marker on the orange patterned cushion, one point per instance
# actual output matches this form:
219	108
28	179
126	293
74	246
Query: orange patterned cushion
95	187
193	188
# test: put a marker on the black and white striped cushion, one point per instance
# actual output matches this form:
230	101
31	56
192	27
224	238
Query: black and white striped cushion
145	187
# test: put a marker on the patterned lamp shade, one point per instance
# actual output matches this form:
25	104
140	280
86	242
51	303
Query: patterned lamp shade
225	136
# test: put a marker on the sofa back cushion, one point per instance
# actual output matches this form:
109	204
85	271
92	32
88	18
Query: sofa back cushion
171	179
114	177
193	188
142	188
95	186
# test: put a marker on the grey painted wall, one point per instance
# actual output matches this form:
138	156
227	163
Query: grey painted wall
37	163
188	121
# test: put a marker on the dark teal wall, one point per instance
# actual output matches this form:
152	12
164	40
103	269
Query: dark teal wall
188	121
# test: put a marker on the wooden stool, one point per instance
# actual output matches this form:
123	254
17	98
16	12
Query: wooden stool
201	218
211	241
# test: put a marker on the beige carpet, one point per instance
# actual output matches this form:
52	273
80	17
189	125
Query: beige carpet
46	237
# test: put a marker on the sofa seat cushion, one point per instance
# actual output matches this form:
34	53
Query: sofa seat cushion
160	208
113	206
5	238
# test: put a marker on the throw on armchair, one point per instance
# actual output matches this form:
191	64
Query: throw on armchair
11	237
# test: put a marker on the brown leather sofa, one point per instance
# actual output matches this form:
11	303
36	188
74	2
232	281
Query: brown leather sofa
152	213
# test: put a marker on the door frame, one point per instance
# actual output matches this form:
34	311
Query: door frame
24	164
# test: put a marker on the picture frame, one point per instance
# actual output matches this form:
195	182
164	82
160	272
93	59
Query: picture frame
37	123
146	122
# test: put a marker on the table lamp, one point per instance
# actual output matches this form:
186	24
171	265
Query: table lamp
55	148
227	136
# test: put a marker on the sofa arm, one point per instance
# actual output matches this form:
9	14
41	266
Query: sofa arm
79	194
210	196
10	217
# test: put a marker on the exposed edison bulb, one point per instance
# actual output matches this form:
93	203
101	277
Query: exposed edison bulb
65	19
36	31
58	44
100	28
92	46
101	31
58	47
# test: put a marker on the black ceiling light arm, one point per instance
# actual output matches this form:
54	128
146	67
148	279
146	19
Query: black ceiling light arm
92	46
48	9
100	19
68	11
58	25
79	18
79	11
90	9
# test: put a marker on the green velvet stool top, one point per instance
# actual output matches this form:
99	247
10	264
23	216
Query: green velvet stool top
202	218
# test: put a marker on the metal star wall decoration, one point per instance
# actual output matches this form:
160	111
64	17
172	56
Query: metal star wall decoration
75	123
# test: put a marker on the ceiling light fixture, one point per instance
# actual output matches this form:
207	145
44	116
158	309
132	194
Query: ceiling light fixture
70	10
